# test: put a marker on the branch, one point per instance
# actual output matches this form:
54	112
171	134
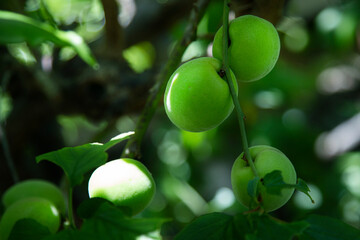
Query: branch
132	148
114	37
3	137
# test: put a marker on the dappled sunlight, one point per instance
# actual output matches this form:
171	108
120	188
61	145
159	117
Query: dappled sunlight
342	138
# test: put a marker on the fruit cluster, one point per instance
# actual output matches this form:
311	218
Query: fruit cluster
34	199
197	98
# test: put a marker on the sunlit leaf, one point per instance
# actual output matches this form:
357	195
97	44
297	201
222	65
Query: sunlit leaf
76	161
17	28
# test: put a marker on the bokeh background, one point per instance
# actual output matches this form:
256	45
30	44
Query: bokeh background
308	106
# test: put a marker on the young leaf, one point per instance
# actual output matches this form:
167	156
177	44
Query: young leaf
76	161
28	229
303	187
211	226
274	183
17	28
326	228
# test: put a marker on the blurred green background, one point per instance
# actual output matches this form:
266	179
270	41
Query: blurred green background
308	106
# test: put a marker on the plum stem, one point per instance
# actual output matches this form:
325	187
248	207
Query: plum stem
70	208
240	113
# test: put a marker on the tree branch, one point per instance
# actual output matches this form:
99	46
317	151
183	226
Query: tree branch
114	37
132	148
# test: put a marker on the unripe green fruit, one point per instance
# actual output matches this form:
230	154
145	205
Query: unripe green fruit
124	182
39	209
266	159
197	98
34	188
254	47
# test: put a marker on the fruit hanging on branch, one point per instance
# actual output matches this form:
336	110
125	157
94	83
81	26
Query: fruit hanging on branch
254	47
266	160
125	182
197	97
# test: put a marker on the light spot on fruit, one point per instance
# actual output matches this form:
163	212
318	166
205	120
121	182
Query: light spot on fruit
54	210
168	100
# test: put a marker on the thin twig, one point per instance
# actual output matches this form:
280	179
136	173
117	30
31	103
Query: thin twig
132	148
4	140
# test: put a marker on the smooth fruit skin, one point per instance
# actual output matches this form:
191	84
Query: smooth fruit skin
196	97
34	188
39	209
254	47
124	182
266	159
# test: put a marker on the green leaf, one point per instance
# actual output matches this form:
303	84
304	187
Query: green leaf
76	161
303	187
210	226
17	28
274	183
68	234
253	187
28	229
326	228
109	222
269	228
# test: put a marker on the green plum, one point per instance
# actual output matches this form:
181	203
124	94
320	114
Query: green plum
197	98
34	188
266	159
124	182
39	209
254	47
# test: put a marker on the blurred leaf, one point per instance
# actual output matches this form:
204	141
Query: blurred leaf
17	28
326	228
274	183
28	229
210	226
76	161
140	56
